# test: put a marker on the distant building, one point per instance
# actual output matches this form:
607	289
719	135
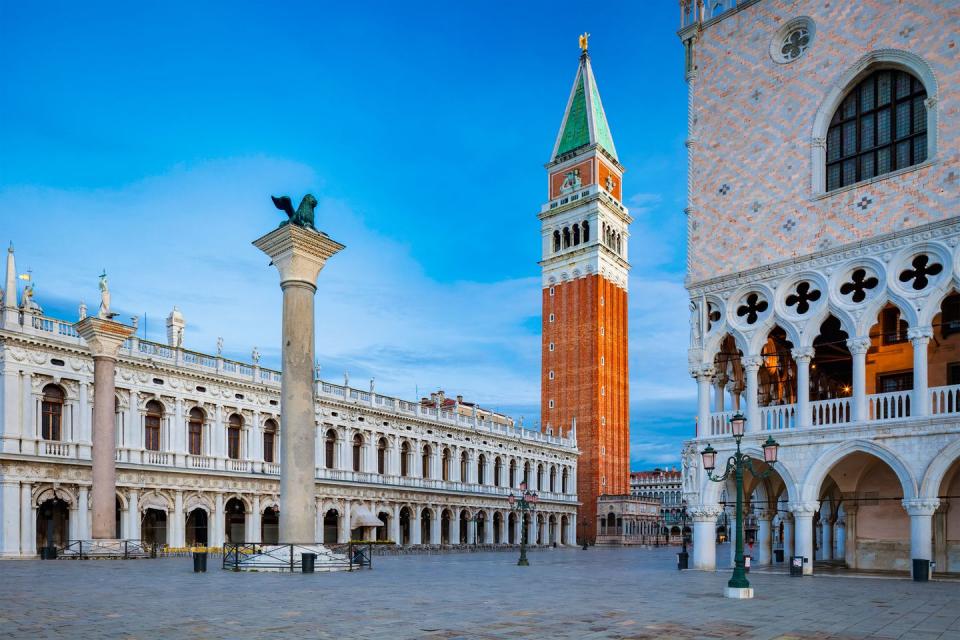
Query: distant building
662	485
626	520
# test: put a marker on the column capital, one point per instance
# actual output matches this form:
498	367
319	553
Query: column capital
764	515
807	508
752	362
706	513
921	506
803	354
104	337
920	334
785	516
703	371
298	253
859	345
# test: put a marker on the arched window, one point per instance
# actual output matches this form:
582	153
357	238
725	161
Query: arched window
619	248
881	126
556	241
445	464
586	231
464	467
553	479
233	436
566	237
425	460
405	459
329	445
526	475
481	463
382	455
151	426
357	452
513	473
563	481
195	431
497	469
576	234
269	440
539	477
51	425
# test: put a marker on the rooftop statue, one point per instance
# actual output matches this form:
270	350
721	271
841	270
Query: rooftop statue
303	216
104	312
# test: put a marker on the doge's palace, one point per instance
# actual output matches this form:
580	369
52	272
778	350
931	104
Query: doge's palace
824	275
198	442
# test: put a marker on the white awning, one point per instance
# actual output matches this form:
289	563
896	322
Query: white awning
360	516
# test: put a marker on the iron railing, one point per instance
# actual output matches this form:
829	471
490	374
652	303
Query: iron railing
289	557
120	549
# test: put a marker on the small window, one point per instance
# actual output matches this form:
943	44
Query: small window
235	425
603	361
603	420
552	317
602	331
893	382
603	390
551	346
602	301
238	396
158	381
274	403
551	291
551	404
202	389
269	440
151	436
551	375
57	362
953	373
52	420
195	431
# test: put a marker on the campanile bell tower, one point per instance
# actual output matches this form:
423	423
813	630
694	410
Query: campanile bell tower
585	228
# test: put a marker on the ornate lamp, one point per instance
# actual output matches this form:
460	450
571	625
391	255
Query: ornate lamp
770	450
737	423
709	458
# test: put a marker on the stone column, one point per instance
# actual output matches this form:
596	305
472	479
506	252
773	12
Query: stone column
921	526
751	366
572	530
488	528
920	337
415	526
704	377
343	531
9	518
719	390
104	338
435	523
83	512
254	532
472	530
839	539
940	555
764	548
533	532
826	539
455	527
178	521
787	518
803	532
28	521
850	534
803	357
858	350
704	537
395	525
133	515
216	526
299	254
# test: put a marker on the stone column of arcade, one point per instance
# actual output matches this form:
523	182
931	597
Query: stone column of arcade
298	252
104	338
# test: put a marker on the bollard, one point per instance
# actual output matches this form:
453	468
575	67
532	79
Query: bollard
199	562
307	562
921	570
683	560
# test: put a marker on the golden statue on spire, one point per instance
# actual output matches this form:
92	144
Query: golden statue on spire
583	41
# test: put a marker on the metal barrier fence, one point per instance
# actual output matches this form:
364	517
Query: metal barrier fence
120	549
289	557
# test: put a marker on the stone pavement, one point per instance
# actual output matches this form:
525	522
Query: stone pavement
614	593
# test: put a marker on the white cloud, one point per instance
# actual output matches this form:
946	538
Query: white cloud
641	203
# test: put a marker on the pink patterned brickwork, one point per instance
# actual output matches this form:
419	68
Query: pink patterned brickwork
752	129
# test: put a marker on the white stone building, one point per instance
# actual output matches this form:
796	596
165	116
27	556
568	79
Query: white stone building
197	450
824	271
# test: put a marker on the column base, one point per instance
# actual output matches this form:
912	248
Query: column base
738	594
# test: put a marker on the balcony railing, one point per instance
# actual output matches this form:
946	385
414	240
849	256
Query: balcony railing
881	407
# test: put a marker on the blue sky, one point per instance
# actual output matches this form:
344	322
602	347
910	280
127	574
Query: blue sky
146	138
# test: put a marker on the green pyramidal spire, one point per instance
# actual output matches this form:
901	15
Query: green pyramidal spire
584	121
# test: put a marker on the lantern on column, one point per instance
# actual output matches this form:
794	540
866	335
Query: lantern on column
737	423
770	450
709	458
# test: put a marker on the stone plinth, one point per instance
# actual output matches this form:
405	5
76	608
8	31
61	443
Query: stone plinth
299	254
104	338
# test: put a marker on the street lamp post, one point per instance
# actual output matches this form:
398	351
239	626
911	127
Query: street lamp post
738	586
584	527
527	501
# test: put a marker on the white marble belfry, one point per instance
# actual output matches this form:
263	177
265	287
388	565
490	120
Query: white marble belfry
299	254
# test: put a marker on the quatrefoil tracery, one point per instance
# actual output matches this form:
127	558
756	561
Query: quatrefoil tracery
713	315
859	285
752	308
802	297
924	269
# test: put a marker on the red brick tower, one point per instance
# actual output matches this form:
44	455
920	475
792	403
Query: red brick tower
584	382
